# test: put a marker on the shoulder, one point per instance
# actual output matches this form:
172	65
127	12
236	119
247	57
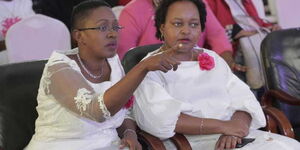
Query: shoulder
217	58
220	63
59	57
210	52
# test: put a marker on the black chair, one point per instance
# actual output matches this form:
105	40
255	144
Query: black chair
279	120
18	90
280	52
135	55
19	85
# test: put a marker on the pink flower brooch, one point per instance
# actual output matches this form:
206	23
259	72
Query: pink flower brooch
206	62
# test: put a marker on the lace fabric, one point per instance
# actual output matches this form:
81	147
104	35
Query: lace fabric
66	84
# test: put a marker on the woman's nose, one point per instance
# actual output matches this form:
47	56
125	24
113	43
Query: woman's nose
185	29
112	34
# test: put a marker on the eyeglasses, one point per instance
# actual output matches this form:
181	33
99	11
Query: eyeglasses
115	28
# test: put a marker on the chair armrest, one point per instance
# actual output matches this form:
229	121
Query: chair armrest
181	142
276	119
152	141
278	95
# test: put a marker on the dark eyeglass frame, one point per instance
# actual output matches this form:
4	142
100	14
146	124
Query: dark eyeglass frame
103	28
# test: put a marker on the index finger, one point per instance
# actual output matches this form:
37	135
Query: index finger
239	67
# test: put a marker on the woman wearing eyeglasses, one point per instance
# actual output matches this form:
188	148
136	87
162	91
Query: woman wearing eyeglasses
84	96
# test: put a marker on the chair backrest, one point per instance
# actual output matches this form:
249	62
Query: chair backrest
281	60
18	91
135	55
280	52
35	38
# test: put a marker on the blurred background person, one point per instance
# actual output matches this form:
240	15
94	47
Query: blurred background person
11	12
246	29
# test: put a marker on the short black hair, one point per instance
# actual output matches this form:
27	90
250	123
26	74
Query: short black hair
83	9
162	10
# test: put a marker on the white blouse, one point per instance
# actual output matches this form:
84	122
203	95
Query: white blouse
71	111
216	93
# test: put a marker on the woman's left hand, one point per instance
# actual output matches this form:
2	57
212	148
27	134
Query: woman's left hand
227	142
237	67
130	140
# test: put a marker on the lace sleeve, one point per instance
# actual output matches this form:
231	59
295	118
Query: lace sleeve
71	90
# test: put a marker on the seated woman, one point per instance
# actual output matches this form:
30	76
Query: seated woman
137	17
203	99
83	92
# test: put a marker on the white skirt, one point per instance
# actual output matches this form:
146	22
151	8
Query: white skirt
263	141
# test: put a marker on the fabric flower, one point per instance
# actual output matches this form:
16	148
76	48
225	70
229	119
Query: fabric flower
83	99
206	62
7	23
129	103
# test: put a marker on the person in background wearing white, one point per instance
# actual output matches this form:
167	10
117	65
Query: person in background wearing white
11	11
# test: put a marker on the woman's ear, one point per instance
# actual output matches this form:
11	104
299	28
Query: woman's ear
77	35
162	29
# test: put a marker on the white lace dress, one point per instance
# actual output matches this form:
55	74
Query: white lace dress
71	111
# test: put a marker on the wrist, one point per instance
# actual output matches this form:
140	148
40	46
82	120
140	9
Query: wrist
141	67
222	126
129	132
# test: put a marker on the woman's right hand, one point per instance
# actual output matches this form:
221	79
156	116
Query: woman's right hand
227	142
163	61
235	128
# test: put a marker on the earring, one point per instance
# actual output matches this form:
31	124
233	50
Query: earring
162	36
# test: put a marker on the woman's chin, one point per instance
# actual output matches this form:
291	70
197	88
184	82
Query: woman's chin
111	55
185	48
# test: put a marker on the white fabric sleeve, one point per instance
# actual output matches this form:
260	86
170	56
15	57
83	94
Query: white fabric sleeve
155	111
129	114
242	99
72	91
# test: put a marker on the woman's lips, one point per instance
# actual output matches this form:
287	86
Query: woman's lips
183	41
112	45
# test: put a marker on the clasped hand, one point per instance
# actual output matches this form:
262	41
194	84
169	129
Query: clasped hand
130	140
233	132
235	128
